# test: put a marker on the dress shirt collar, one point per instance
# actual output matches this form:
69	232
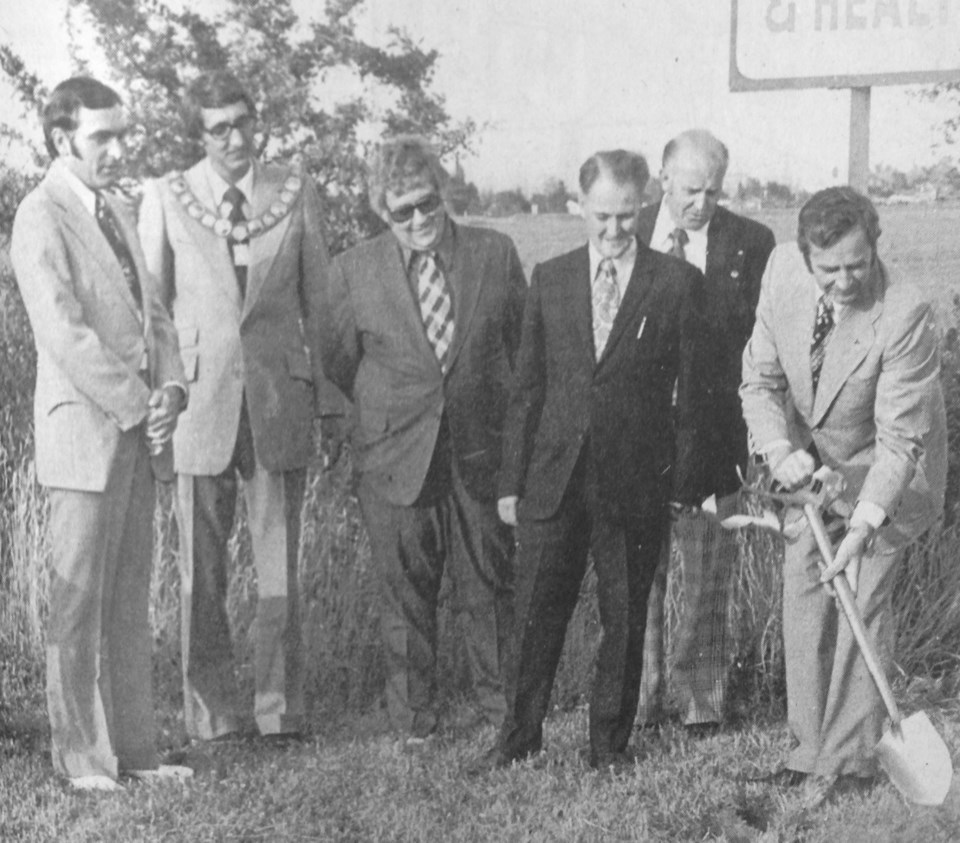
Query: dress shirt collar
219	185
444	249
623	265
695	250
86	195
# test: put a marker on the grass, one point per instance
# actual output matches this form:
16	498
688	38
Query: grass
352	782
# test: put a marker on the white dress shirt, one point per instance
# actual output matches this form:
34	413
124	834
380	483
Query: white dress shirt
695	251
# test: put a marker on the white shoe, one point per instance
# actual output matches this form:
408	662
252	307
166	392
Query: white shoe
88	783
165	772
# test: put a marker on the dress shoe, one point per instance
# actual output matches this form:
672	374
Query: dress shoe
699	731
281	740
163	773
615	762
784	777
88	784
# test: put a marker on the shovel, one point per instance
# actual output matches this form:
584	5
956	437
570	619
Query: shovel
911	752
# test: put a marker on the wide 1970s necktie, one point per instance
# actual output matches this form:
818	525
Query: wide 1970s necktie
436	306
233	196
606	301
821	331
108	225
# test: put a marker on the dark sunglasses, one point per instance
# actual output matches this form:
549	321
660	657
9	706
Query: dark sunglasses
221	131
425	206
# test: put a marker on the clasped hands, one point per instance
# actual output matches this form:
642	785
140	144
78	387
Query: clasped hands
165	405
794	469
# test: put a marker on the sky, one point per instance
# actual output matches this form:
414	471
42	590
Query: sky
551	81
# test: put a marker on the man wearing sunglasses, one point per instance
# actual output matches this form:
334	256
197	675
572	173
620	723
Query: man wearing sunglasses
423	323
238	248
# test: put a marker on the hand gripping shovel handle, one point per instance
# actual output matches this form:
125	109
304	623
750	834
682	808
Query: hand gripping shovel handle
847	600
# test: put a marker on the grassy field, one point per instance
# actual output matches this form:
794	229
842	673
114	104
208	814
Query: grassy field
352	781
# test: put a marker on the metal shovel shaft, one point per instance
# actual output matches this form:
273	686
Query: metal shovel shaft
848	602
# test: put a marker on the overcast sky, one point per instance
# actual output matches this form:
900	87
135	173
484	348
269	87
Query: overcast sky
553	80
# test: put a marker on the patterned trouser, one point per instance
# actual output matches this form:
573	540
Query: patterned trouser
706	555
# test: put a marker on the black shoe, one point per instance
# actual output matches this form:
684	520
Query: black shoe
699	731
281	740
784	777
615	762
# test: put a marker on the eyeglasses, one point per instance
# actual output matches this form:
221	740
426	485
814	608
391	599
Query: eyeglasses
425	206
221	131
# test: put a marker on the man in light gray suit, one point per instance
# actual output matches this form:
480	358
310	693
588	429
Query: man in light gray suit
109	389
238	248
843	368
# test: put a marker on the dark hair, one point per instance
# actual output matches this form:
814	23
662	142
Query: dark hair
701	140
216	89
67	99
622	166
399	164
830	214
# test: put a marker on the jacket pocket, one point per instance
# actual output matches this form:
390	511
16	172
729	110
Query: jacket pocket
298	367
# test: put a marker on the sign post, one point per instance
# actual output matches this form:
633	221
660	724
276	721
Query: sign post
777	44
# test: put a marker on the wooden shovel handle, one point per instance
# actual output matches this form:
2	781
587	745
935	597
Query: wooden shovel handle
847	600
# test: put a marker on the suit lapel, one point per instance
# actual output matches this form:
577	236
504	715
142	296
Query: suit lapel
265	248
641	281
646	223
212	247
465	279
88	236
848	344
577	297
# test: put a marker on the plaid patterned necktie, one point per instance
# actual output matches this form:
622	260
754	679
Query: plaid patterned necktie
679	239
234	197
606	301
436	306
821	330
108	225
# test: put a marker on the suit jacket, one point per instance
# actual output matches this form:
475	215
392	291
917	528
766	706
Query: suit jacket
376	350
878	416
621	404
264	345
91	337
737	252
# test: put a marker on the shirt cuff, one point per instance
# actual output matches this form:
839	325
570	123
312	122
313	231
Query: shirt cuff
866	512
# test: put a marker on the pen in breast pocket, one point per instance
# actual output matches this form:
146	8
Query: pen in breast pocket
643	324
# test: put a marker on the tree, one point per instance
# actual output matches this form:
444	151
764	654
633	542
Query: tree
293	70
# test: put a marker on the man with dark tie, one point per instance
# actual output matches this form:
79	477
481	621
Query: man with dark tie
422	329
592	454
731	251
238	248
842	368
110	386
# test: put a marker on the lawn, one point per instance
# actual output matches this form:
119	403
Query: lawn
353	781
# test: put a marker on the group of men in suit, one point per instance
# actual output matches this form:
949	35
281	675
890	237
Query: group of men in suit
501	432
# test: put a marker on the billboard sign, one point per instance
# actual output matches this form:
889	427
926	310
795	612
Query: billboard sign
842	43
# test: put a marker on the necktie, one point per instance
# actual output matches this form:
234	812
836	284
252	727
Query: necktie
678	239
821	330
606	301
234	197
108	225
436	306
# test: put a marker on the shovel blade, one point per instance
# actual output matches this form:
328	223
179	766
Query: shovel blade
917	760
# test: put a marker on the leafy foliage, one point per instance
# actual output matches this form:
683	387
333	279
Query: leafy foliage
321	88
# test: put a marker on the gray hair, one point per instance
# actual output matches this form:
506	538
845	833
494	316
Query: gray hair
400	164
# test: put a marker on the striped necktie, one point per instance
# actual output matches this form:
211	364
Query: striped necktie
821	331
436	306
606	301
108	225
